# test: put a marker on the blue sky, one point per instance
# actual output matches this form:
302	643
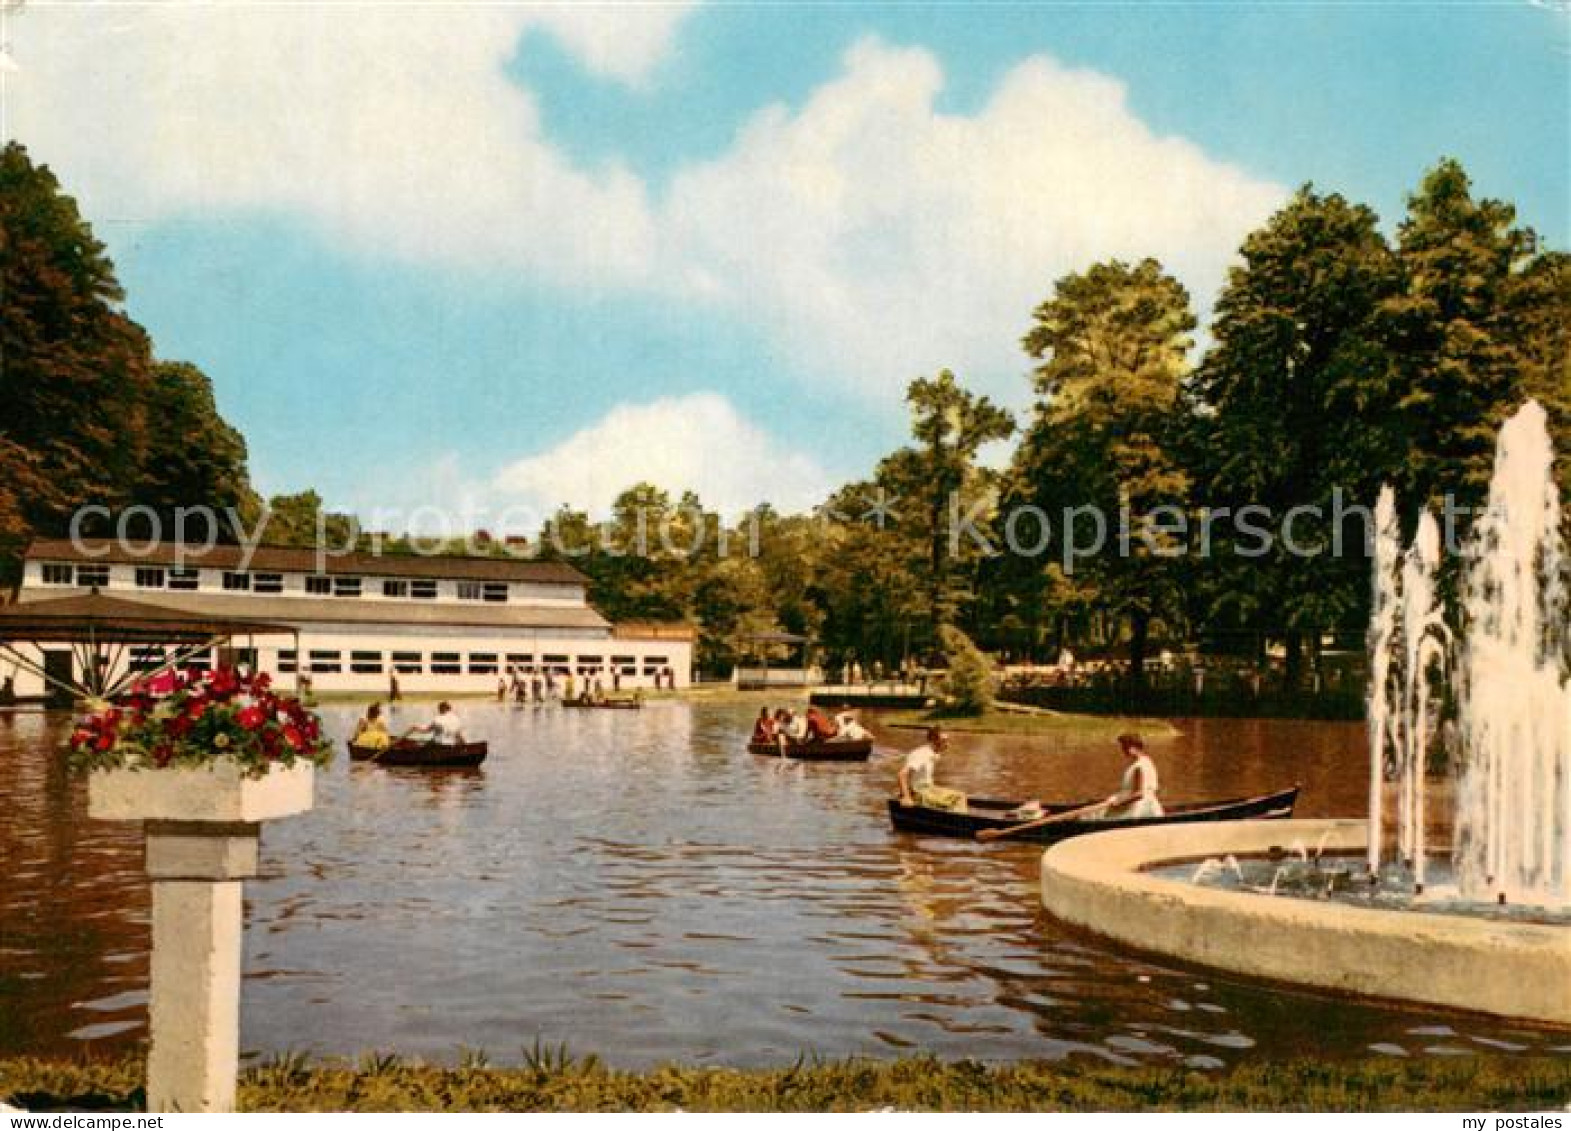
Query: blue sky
516	256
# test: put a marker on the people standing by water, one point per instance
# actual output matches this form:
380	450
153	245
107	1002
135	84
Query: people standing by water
1137	794
394	692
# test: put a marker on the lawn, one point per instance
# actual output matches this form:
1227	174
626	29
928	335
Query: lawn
550	1080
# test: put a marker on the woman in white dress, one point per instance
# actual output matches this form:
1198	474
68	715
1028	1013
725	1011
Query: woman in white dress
1137	794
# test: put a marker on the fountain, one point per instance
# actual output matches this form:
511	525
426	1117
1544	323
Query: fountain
1482	923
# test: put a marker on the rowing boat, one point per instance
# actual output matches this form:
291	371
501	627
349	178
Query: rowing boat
604	705
983	813
845	750
416	752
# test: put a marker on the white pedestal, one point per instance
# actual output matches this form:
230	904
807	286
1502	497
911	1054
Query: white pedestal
203	832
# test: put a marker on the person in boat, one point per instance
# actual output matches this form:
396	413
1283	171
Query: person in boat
820	728
446	728
916	776
848	727
789	728
763	726
371	731
1137	794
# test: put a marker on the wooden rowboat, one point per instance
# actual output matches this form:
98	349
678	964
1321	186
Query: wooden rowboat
831	751
604	705
419	752
992	813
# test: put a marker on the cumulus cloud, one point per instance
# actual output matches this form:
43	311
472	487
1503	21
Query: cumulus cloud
883	239
394	129
870	236
698	442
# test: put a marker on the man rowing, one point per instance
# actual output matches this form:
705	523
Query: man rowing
916	776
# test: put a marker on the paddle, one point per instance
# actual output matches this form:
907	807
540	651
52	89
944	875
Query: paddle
995	834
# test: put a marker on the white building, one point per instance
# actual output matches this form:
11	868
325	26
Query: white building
438	623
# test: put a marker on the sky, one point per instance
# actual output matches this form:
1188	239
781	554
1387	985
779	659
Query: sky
492	258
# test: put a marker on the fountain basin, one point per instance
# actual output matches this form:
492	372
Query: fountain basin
1101	883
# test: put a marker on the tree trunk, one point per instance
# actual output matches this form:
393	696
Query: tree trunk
1293	668
1139	640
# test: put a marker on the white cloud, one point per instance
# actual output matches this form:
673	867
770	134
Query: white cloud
871	237
882	239
393	128
698	442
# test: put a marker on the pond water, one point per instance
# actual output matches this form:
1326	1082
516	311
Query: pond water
637	886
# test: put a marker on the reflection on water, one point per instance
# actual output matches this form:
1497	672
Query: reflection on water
638	886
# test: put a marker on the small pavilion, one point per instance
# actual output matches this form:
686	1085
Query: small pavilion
98	632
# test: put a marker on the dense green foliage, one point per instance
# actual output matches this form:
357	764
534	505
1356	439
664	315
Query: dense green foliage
550	1080
88	415
969	684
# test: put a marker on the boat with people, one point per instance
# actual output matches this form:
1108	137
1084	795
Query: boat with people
422	752
829	750
604	704
989	818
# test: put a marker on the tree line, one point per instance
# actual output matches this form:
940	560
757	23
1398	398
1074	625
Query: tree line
1337	359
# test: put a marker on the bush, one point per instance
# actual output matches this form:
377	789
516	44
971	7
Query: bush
970	685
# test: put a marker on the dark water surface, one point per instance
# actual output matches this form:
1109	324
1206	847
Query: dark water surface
636	885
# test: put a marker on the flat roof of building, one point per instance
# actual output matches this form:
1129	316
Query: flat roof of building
297	559
296	611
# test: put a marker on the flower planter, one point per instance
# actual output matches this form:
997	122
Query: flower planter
203	826
219	792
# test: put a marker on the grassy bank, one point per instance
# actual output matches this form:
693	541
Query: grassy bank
550	1081
1003	720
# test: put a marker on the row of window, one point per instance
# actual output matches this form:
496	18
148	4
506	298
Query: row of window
333	662
188	579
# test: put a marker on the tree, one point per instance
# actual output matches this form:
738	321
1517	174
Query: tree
75	373
970	686
950	426
194	457
1470	292
1297	403
1113	344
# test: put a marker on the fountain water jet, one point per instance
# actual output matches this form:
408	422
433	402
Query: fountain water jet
1513	700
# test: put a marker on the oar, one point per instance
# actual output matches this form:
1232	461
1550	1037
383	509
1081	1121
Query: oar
996	834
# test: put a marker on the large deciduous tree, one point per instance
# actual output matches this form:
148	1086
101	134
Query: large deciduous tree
1298	408
1113	344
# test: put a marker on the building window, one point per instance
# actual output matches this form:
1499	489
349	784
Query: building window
58	574
149	577
88	575
237	582
653	664
186	579
495	591
327	663
520	660
286	659
482	663
445	663
199	662
267	583
470	590
423	590
590	661
346	587
365	663
554	659
318	584
395	588
146	659
408	663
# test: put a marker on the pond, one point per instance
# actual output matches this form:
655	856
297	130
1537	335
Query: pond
636	885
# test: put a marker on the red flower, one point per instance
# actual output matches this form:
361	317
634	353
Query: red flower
293	737
250	717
